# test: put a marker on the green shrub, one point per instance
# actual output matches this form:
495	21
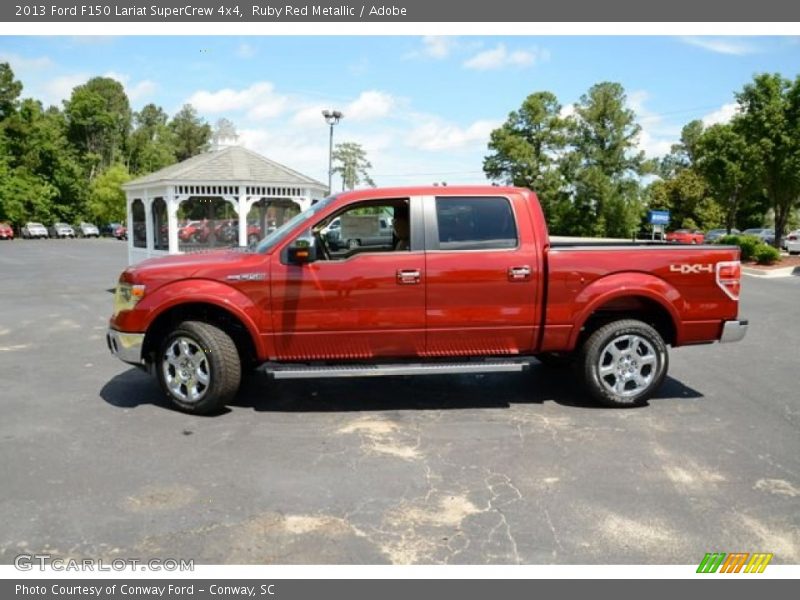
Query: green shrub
766	255
747	243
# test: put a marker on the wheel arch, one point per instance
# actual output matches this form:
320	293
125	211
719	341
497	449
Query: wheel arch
654	304
237	325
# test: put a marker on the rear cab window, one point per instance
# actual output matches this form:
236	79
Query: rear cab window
477	223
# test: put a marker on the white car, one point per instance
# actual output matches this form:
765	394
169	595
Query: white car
34	230
88	230
791	236
792	241
62	230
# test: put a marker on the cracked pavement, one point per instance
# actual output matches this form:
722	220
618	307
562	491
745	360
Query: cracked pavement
500	468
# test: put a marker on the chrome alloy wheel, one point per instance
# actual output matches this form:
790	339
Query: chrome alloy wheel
627	365
186	370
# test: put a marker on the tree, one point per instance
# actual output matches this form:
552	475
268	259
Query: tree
769	121
724	160
525	151
99	118
152	145
191	133
10	89
682	155
606	164
350	160
106	198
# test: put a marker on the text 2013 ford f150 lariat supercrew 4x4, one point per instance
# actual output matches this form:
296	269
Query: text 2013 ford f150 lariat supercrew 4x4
469	282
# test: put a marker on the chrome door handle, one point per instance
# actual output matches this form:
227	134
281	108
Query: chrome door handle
408	276
519	273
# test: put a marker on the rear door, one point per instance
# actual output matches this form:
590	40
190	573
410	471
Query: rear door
481	265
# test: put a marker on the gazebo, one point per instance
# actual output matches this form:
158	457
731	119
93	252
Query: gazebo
229	196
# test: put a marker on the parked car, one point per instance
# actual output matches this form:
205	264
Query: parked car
714	234
34	230
793	242
765	235
793	235
6	232
340	237
62	231
685	236
480	288
87	230
110	229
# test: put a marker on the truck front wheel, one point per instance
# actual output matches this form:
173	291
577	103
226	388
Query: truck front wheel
623	363
199	367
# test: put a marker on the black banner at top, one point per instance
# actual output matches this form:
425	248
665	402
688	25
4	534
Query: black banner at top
461	11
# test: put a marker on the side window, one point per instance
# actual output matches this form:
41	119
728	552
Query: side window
475	223
371	226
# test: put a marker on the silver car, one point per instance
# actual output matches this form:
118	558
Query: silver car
34	230
88	230
765	235
62	230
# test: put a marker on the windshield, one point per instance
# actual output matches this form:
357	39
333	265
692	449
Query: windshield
281	232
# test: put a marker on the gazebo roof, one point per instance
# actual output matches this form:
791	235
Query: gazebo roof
229	164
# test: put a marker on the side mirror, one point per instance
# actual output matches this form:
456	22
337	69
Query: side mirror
302	252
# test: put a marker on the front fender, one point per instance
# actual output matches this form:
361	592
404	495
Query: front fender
626	285
192	291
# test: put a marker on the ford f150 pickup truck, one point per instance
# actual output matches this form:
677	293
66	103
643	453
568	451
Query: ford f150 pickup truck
469	282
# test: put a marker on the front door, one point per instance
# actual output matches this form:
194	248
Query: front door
481	276
363	297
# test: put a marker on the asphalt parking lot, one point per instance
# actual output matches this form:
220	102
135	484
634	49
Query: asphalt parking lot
499	468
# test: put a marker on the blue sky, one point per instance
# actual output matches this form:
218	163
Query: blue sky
421	106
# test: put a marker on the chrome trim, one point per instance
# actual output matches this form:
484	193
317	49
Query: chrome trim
126	346
733	331
383	370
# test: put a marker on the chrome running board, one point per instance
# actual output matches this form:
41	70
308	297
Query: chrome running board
291	371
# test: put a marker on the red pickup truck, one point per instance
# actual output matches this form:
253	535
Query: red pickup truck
469	282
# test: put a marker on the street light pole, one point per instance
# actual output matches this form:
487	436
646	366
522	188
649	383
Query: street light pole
332	117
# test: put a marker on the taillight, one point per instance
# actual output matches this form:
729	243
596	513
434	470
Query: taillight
729	277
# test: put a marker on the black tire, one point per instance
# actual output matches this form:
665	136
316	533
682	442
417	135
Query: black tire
637	347
222	365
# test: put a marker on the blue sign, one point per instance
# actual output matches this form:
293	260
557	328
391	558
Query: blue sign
658	217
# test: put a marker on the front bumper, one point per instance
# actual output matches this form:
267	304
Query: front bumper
733	331
126	346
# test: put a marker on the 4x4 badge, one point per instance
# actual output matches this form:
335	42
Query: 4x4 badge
696	268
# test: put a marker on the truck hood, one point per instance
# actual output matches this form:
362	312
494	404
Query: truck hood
217	264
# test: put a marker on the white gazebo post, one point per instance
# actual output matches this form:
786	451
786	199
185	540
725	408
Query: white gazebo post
148	221
129	224
172	219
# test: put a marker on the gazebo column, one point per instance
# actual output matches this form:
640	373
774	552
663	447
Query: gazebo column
148	222
243	207
129	224
172	220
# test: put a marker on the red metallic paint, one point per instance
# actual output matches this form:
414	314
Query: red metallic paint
464	303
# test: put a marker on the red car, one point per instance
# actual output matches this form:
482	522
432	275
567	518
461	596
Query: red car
6	232
468	282
686	236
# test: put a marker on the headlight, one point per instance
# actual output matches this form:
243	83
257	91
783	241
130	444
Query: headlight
126	296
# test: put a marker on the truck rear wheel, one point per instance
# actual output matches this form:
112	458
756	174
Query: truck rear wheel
199	367
623	363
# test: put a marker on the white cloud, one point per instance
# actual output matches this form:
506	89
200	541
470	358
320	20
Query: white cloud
436	134
60	88
25	63
136	91
500	57
436	47
731	46
369	105
259	101
245	50
722	115
656	136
